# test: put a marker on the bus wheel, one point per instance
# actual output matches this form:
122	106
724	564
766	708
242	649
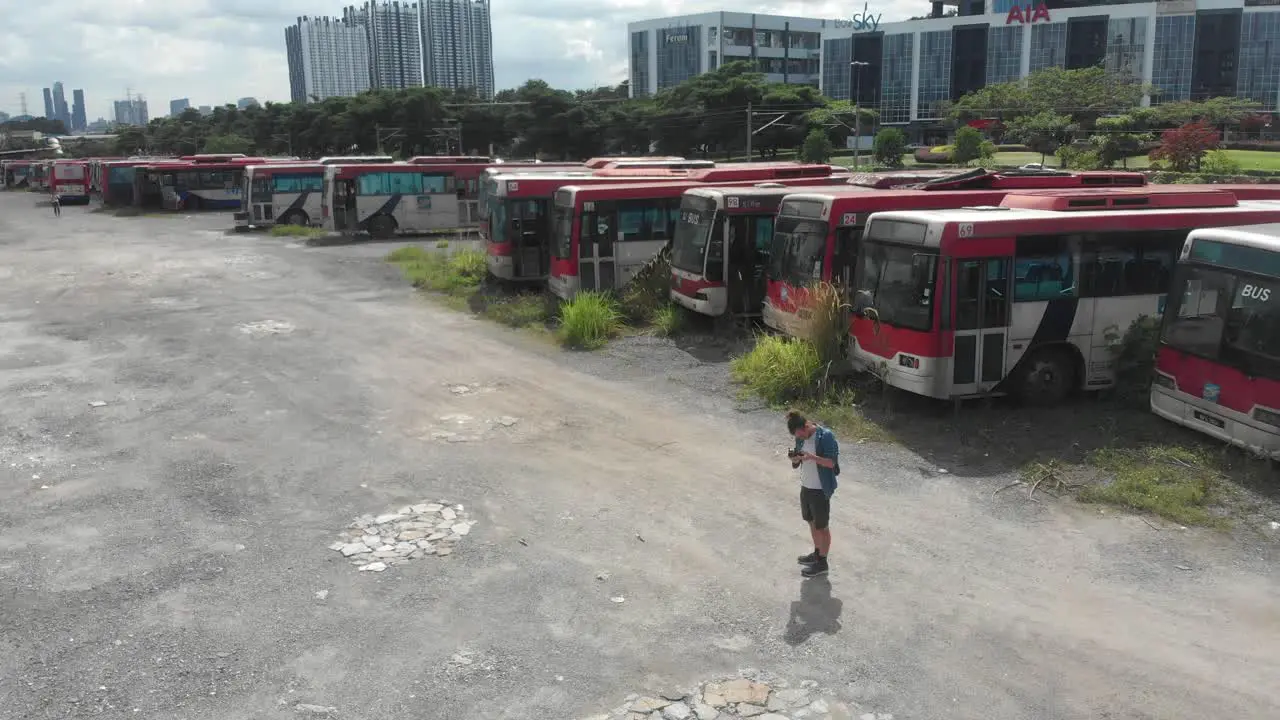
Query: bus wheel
294	217
192	203
382	227
1046	377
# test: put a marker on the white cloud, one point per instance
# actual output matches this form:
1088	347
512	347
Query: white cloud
215	51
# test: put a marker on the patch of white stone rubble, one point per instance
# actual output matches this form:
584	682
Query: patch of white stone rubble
374	543
752	695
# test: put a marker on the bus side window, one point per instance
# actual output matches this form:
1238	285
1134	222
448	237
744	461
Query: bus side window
1130	263
1044	268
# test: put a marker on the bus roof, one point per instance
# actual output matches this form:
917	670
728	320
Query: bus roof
450	160
1057	211
671	188
1262	237
285	167
599	162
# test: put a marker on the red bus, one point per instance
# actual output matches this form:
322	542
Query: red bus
15	174
724	238
195	182
1025	298
1218	366
69	182
603	234
817	233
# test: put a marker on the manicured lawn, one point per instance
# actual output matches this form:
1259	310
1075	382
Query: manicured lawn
1256	159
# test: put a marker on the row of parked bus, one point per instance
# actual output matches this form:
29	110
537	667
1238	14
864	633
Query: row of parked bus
66	180
970	285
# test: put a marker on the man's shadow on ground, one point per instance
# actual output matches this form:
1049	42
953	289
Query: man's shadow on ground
815	612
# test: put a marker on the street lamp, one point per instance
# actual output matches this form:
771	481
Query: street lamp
855	69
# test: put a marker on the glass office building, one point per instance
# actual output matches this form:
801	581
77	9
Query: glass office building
1186	49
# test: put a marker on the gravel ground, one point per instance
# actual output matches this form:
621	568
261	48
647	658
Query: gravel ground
191	419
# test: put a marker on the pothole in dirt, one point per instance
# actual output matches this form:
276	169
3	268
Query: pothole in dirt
263	328
374	543
460	428
752	694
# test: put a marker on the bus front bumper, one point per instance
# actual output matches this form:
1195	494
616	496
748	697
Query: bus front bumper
1216	421
714	301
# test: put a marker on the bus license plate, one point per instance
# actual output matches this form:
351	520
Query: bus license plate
1207	418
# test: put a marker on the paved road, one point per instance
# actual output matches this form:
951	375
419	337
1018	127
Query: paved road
160	556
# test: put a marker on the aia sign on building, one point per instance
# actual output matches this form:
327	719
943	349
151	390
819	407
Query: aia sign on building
1027	14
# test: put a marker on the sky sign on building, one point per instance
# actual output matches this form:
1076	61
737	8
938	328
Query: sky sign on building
861	22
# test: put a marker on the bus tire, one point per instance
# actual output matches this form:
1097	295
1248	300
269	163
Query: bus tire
295	217
382	227
1046	376
192	203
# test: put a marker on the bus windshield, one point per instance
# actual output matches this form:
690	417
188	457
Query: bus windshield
899	282
689	247
799	246
562	231
1225	316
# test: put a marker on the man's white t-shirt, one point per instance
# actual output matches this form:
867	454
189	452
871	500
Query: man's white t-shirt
809	470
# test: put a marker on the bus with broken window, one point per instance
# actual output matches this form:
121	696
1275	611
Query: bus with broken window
817	233
1218	364
1027	297
603	234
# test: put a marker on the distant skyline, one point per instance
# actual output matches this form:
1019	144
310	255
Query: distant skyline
216	51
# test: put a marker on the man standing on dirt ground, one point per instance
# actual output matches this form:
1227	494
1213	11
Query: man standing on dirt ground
817	455
57	206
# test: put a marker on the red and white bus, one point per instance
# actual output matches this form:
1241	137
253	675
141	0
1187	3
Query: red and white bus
1218	366
1028	297
383	199
15	174
817	233
603	234
39	181
288	193
195	182
69	182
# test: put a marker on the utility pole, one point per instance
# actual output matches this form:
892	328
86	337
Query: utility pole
750	134
856	68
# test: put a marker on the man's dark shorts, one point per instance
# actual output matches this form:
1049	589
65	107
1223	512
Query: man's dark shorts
815	507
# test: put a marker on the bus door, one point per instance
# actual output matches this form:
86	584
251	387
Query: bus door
345	215
744	261
531	233
982	307
596	242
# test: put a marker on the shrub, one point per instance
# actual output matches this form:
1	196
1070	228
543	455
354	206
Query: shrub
1218	162
778	369
968	145
817	147
890	146
1183	147
932	156
649	290
589	320
1135	357
828	326
1077	159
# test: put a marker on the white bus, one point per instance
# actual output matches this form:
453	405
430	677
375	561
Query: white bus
383	199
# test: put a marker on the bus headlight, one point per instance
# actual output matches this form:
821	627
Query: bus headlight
1165	381
1270	417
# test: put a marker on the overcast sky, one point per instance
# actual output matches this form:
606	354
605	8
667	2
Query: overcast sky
216	51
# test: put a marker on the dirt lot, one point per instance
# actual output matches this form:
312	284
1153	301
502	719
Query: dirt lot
190	418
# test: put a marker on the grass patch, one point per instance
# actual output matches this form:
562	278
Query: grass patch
517	311
668	320
457	274
840	412
442	244
778	369
296	231
1173	482
589	320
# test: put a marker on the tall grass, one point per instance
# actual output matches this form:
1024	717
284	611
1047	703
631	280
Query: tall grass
828	326
668	319
779	369
300	231
459	273
589	320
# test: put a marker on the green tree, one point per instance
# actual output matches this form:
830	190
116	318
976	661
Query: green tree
817	147
1214	111
1218	162
891	145
968	145
1083	95
131	140
1044	132
227	144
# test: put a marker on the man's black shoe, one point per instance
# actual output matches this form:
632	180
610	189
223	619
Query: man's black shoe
815	569
812	557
